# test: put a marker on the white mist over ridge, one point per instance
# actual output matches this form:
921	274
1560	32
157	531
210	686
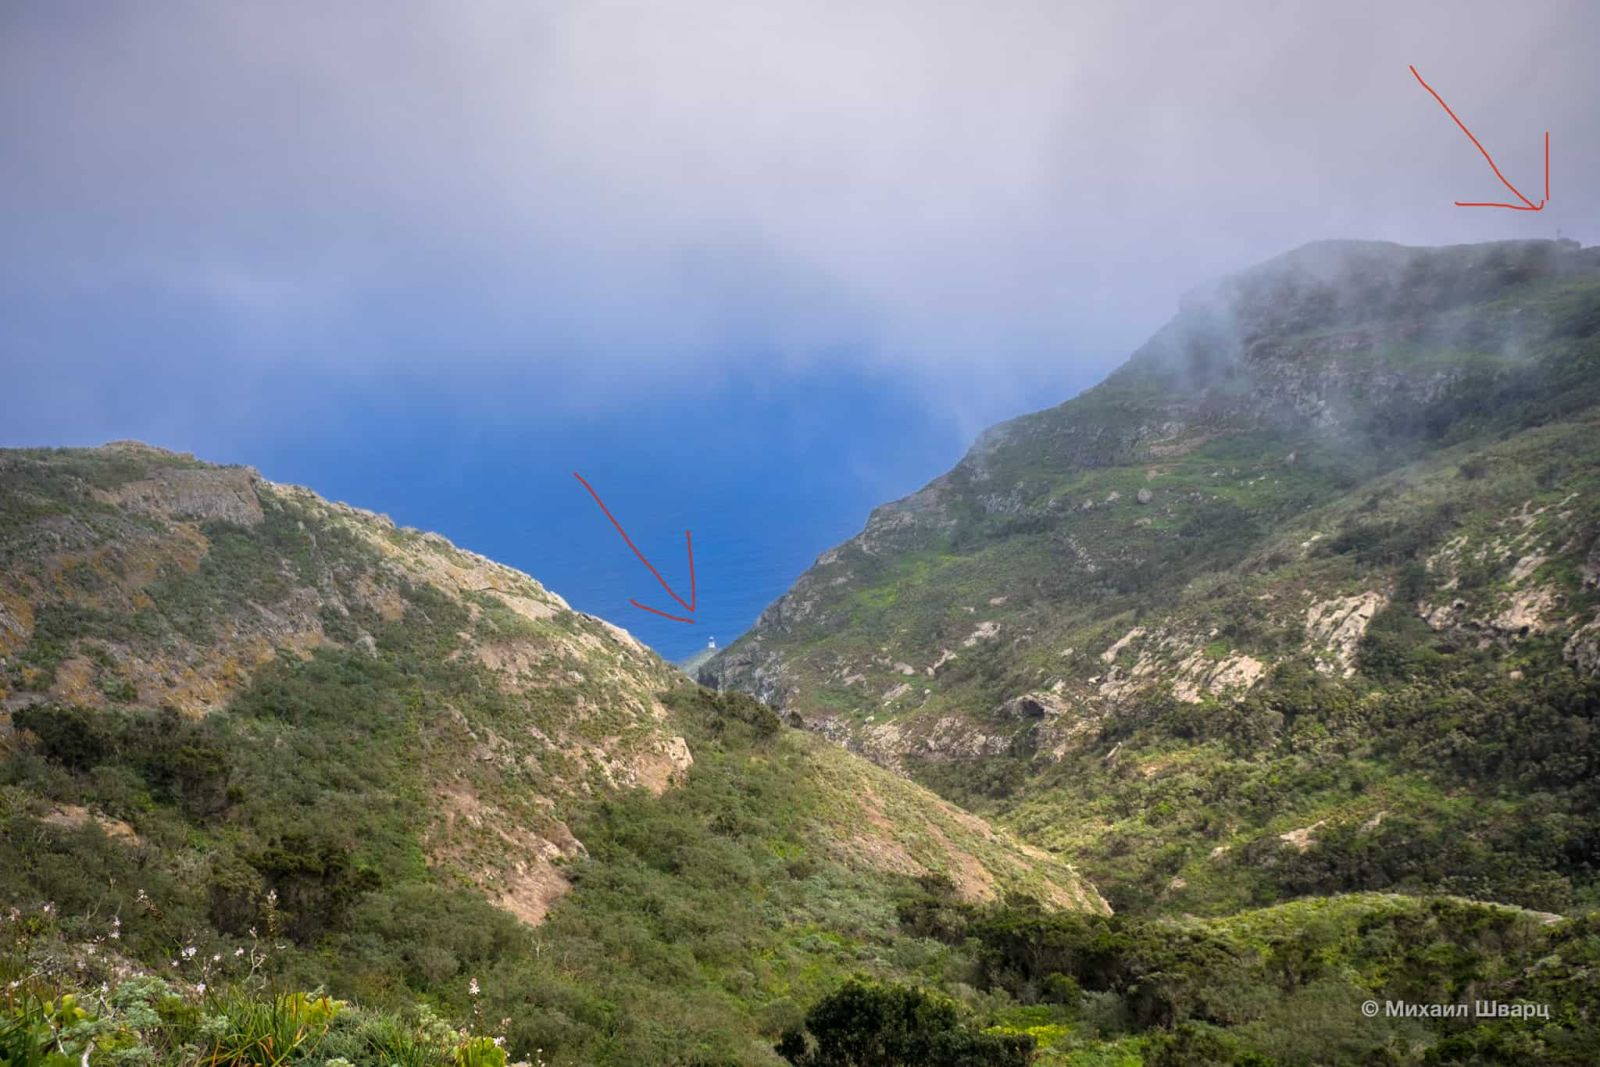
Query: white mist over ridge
994	202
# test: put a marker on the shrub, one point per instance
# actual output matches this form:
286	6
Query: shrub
73	737
867	1024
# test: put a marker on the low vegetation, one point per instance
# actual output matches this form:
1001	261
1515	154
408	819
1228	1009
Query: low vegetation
1287	635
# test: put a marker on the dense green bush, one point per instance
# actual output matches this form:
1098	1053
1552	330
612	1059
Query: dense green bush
866	1024
179	761
1238	990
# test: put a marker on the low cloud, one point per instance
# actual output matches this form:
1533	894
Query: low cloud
995	201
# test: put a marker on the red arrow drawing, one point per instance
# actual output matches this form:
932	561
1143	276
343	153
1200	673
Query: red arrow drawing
1526	205
688	542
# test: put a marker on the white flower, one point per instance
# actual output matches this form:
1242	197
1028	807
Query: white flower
216	957
499	1042
472	987
188	953
200	987
238	952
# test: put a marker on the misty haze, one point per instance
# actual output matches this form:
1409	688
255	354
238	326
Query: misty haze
813	534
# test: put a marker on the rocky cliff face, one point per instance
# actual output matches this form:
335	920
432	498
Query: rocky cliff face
1352	436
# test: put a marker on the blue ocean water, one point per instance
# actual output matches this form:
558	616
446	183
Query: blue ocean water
766	478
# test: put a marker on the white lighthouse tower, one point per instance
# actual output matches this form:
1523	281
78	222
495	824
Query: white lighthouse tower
711	642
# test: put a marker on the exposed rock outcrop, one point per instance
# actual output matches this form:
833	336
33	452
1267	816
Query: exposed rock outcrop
206	494
1334	629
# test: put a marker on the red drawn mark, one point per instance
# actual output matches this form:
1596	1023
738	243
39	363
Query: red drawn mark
1526	205
689	604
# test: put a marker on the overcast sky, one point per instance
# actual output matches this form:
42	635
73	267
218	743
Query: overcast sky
215	216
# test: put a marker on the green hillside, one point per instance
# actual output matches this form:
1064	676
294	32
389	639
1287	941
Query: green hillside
255	744
1302	600
1213	717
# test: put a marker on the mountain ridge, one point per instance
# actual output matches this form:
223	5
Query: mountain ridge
230	707
1317	455
1286	635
